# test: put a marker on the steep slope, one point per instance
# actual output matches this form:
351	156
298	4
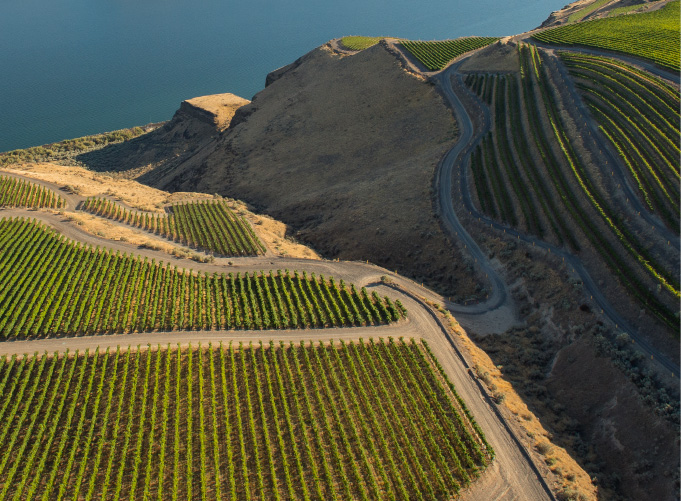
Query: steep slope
343	149
195	124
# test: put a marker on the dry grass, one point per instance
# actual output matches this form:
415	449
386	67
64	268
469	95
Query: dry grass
274	234
222	106
105	228
90	184
355	180
535	437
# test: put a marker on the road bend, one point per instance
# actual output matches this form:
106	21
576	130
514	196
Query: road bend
460	155
512	476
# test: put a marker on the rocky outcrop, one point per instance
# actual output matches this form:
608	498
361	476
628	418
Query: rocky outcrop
343	150
197	123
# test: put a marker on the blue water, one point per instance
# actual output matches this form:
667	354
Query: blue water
69	68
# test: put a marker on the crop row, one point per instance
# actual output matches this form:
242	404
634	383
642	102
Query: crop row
483	85
531	60
651	35
640	120
359	43
349	421
523	174
20	193
513	174
210	226
50	286
555	178
435	55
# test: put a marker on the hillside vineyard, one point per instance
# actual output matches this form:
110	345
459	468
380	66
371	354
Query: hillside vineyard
19	193
55	287
564	173
210	226
651	35
349	421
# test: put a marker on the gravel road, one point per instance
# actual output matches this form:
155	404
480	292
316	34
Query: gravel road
512	475
459	156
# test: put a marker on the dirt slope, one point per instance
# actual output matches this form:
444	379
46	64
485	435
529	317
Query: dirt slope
342	149
589	11
196	124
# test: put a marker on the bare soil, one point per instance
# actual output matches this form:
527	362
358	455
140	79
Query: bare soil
354	180
495	58
586	415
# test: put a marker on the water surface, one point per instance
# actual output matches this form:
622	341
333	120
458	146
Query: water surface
77	67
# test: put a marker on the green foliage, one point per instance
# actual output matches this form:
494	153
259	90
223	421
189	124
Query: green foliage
547	171
582	13
650	35
20	193
639	114
435	55
632	363
52	286
210	226
360	43
348	421
68	148
641	258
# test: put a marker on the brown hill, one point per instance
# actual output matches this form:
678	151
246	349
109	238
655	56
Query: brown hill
341	148
194	126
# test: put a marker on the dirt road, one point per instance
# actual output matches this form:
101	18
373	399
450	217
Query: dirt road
458	157
512	475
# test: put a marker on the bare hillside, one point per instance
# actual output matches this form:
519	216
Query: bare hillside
342	149
195	125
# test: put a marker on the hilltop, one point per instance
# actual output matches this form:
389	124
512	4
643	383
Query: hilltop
342	149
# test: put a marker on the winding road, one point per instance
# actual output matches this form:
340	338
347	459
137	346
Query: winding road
459	156
512	475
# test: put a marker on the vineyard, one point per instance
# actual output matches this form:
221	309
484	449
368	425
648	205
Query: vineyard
50	286
435	55
650	35
210	226
19	193
359	43
639	114
511	163
550	184
585	11
349	421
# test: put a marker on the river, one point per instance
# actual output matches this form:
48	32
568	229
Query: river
77	67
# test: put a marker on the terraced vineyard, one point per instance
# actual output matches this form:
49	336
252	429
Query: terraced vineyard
210	226
355	421
650	35
435	55
511	163
50	286
582	13
552	181
19	193
639	114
